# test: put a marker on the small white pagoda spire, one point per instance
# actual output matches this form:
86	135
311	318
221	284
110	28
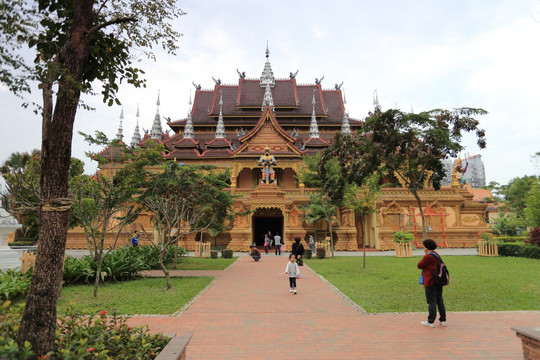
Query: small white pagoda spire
267	76
157	133
375	98
345	126
119	134
220	128
313	127
188	129
268	99
136	139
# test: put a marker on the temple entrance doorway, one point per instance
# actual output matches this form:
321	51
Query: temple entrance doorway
264	220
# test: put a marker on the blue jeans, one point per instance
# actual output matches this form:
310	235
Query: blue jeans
278	249
312	247
435	300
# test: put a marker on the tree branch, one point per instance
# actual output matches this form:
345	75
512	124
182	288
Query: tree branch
98	27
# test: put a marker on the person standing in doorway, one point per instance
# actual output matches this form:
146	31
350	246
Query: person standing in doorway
312	244
434	297
277	243
266	243
293	272
270	239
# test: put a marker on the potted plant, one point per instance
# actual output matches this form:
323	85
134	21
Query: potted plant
487	246
403	243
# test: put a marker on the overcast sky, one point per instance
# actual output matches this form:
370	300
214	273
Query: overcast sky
419	55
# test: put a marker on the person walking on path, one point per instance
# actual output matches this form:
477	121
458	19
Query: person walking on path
312	244
266	243
277	243
135	238
434	296
298	250
293	272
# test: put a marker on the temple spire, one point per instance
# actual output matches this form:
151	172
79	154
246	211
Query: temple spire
345	126
375	98
136	139
188	129
267	76
220	128
313	127
119	134
268	100
157	133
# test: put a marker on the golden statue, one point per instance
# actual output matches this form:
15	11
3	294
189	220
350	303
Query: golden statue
267	160
458	180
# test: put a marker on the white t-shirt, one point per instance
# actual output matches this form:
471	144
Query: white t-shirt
292	269
277	240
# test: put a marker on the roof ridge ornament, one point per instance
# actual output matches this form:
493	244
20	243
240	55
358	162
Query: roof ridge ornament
267	76
313	127
136	139
220	128
345	125
188	129
375	98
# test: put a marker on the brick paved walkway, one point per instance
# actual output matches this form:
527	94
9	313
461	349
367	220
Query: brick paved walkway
249	314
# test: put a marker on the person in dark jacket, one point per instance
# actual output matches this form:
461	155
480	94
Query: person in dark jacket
298	250
255	253
434	296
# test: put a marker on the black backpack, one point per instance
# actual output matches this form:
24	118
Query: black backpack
441	276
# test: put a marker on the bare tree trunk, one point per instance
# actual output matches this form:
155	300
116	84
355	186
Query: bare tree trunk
424	233
38	322
163	268
99	261
331	238
363	219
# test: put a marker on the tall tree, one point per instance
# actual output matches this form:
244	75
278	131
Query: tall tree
532	206
410	146
76	43
321	208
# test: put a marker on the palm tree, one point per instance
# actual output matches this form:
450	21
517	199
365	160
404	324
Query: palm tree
320	208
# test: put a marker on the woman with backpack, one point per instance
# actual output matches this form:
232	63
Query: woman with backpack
430	265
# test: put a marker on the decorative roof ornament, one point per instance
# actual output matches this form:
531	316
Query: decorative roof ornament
313	127
345	126
119	134
136	139
268	100
157	133
188	129
220	128
375	98
267	76
318	82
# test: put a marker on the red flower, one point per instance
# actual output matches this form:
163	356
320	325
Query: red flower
103	314
90	349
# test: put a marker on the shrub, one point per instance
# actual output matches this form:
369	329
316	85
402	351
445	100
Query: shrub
321	253
81	336
226	254
510	239
23	242
519	250
534	237
14	284
402	237
80	270
213	254
123	264
308	253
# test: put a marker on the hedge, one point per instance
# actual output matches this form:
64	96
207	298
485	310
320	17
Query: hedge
519	250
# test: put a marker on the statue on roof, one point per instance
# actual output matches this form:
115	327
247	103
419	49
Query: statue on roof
197	87
338	86
318	82
293	76
267	160
241	74
458	179
218	81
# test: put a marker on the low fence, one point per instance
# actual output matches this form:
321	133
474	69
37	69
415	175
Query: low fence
202	249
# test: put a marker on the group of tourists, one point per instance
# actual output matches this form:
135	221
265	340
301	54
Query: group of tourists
272	240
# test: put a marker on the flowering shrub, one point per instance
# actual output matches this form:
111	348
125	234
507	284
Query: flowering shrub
81	336
534	237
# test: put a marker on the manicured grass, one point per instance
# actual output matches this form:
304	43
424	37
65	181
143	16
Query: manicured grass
390	284
142	296
193	263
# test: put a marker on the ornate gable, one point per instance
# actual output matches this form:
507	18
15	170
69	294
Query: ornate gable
267	132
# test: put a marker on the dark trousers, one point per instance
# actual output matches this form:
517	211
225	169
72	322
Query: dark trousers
435	300
266	249
292	282
278	249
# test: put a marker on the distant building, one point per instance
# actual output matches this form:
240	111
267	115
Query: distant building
475	174
447	180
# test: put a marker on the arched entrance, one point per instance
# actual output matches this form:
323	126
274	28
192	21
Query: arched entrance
264	220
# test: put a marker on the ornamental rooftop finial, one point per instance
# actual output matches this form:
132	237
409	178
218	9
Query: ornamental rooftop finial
188	129
157	133
267	76
220	128
119	134
345	125
313	127
136	139
268	100
375	98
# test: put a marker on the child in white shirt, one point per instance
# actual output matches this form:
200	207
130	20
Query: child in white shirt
293	271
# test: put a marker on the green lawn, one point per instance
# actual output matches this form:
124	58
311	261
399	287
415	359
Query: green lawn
193	263
390	284
142	296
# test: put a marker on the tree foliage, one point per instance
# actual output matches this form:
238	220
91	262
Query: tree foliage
321	208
